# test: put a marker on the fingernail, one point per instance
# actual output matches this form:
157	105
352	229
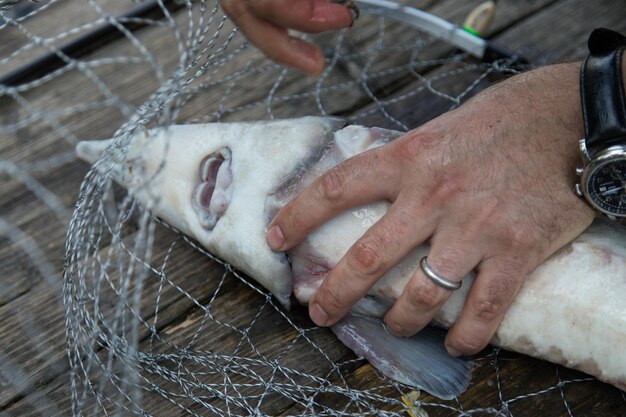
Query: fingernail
332	14
393	329
351	6
318	315
275	238
452	350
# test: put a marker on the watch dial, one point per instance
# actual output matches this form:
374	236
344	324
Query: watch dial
606	186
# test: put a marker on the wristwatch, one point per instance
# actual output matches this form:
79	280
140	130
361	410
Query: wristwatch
603	175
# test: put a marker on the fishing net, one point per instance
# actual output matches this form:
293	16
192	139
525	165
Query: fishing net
150	323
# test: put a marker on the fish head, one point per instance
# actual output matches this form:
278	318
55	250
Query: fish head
212	182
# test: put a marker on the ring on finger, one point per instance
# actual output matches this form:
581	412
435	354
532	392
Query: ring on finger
438	279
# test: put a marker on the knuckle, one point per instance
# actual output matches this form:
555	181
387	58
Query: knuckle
522	238
419	142
517	233
450	263
274	52
469	344
448	184
428	149
366	259
423	294
331	185
490	305
488	310
330	301
485	215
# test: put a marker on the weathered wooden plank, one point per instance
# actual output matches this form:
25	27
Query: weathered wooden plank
82	90
31	341
91	102
54	23
45	227
523	386
368	38
269	332
63	184
566	43
274	340
100	124
182	321
23	331
34	142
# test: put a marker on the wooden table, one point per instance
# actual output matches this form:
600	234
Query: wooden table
40	180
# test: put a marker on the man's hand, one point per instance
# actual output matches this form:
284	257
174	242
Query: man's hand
265	24
489	185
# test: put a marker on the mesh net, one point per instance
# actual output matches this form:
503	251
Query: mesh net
154	324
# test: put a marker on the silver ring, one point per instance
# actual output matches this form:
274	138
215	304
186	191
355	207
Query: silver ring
438	279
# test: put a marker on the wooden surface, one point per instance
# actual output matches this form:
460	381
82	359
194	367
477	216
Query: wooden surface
34	378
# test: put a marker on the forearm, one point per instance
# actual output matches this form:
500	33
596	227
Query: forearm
558	86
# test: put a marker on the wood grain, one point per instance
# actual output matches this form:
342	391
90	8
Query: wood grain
54	23
43	388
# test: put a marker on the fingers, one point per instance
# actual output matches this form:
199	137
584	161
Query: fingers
307	16
491	294
452	255
356	181
379	249
275	42
265	24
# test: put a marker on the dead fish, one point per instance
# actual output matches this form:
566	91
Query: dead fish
222	183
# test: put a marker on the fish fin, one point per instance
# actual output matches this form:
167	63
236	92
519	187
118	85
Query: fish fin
91	151
371	306
420	361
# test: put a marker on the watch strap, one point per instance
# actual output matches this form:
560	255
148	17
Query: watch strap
602	90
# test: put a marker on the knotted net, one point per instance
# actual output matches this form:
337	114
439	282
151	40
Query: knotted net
154	324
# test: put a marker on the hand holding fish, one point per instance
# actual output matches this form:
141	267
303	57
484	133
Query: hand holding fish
197	178
489	185
265	23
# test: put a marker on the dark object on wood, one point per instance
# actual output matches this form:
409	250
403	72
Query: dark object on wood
87	43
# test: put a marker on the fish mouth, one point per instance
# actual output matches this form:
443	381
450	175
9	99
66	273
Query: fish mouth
212	195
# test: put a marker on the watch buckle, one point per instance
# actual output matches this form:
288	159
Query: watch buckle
582	145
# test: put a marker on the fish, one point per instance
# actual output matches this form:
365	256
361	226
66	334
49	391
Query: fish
222	183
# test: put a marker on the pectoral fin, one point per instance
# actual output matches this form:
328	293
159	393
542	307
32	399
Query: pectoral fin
420	361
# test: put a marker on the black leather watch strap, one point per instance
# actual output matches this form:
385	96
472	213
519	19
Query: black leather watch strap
602	90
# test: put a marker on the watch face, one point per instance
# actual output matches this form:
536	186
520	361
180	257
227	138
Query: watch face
605	185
